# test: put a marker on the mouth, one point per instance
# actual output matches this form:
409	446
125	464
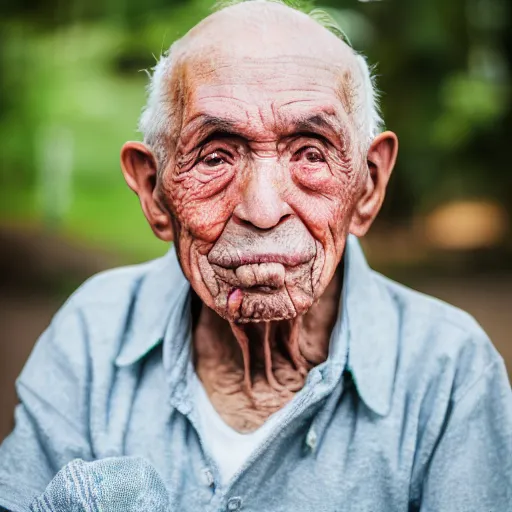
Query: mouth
241	259
261	289
257	277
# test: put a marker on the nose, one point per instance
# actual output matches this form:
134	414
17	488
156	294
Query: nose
262	204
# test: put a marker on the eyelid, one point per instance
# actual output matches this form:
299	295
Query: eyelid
217	145
309	146
307	139
223	138
304	149
217	136
205	151
301	146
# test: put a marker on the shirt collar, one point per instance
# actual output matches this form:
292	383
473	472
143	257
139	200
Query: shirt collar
372	323
160	295
368	321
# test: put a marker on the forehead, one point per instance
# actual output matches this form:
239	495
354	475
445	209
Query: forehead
267	92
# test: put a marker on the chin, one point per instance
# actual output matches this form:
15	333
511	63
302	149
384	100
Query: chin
262	306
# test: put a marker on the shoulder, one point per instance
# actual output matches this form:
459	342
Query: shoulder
112	288
438	341
105	312
451	391
102	304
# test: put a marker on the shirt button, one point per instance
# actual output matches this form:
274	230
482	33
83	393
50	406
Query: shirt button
311	439
207	477
234	504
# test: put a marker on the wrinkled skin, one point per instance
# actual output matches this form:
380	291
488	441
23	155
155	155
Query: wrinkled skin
265	179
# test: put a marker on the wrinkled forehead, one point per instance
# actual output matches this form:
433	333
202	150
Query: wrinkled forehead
266	93
266	70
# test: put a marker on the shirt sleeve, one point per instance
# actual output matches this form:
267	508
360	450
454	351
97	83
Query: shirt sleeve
471	467
51	420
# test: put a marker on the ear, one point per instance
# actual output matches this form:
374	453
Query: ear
380	160
140	172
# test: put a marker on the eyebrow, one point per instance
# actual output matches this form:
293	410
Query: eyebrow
205	127
319	124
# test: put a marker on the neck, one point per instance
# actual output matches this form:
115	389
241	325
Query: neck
250	371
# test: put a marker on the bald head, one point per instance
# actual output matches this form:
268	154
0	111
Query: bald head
266	29
255	32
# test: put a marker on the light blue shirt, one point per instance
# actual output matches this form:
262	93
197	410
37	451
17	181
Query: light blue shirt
411	411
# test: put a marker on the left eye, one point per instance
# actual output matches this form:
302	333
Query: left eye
214	159
311	154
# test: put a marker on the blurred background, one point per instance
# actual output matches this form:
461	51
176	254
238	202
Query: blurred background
72	85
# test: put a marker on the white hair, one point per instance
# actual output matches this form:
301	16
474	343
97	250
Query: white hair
156	121
368	115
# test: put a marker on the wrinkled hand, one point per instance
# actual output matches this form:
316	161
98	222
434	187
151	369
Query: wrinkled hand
118	484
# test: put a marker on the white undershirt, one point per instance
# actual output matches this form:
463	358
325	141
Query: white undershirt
228	448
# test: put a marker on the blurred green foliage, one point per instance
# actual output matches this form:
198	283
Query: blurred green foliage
72	86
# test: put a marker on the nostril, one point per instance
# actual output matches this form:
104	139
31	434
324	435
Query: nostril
283	219
242	221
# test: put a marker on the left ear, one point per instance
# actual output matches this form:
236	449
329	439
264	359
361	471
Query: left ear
381	160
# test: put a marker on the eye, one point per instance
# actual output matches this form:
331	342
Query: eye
214	159
310	153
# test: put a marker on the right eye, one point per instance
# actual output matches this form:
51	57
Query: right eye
214	159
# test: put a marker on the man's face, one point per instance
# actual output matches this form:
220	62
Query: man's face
263	180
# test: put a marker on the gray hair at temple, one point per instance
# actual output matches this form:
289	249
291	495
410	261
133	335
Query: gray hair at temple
155	123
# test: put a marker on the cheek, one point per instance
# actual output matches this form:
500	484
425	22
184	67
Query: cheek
325	201
202	204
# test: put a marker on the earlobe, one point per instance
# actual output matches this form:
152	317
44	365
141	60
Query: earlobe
140	172
380	162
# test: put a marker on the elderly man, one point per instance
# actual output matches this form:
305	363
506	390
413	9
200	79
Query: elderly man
260	365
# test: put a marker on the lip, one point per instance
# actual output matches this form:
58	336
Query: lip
233	261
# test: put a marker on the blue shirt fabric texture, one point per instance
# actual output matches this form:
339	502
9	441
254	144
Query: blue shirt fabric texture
412	410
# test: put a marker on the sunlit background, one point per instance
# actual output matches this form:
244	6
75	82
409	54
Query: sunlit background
72	85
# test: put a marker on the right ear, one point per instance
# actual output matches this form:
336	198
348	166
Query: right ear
140	172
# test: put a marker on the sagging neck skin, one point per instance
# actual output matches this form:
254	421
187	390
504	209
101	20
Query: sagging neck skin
250	371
